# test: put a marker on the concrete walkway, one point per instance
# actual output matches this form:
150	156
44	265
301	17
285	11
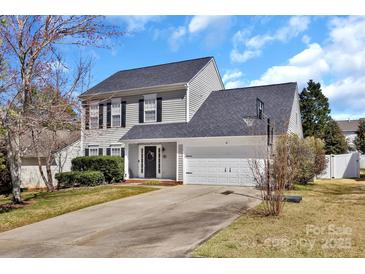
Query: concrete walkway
169	222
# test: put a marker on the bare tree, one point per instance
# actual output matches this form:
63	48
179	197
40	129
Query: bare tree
30	45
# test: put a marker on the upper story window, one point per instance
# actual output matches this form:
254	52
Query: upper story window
150	109
116	114
260	108
94	116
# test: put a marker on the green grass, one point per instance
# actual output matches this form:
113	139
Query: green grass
326	204
44	205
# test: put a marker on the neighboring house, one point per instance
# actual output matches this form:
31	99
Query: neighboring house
349	128
67	149
176	121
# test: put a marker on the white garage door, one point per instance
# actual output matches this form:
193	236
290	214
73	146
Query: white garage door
228	165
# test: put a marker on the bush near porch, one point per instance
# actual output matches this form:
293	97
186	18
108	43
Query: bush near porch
79	178
112	167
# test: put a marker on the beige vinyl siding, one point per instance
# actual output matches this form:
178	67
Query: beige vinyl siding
206	81
295	121
180	160
173	110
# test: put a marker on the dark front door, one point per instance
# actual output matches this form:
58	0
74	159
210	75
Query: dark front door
150	162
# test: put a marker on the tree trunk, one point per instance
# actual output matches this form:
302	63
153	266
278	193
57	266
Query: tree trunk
13	153
47	180
50	185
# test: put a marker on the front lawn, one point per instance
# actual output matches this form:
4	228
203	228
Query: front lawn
44	205
329	222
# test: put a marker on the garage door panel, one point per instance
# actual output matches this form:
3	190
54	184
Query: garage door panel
222	166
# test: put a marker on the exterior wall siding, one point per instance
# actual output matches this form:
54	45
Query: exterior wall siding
173	110
133	161
202	85
295	121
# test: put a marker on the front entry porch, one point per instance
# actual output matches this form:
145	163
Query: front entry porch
151	161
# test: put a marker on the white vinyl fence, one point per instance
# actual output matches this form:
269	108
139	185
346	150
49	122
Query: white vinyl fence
342	166
362	161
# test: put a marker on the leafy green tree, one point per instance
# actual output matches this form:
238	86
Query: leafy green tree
315	110
360	137
335	141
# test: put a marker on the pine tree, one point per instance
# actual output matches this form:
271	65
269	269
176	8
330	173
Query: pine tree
360	137
335	141
315	110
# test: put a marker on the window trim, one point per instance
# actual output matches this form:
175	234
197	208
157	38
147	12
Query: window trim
113	112
115	146
149	97
93	147
94	114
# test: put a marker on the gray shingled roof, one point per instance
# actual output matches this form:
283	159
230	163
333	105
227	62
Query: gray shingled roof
349	125
222	114
164	74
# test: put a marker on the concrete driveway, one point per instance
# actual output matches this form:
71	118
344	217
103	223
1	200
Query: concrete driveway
169	222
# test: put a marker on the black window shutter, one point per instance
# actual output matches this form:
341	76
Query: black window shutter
100	151
108	151
141	110
86	152
87	116
108	115
101	115
124	112
122	152
159	109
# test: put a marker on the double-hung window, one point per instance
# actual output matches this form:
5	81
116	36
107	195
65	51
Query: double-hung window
94	116
116	114
150	108
115	150
93	150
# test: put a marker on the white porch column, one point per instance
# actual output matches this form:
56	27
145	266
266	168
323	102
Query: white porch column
126	161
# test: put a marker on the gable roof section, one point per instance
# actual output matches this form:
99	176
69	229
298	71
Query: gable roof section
349	125
222	114
165	74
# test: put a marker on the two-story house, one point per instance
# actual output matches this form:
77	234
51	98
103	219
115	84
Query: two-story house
176	121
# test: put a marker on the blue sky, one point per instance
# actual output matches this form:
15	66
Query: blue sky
249	50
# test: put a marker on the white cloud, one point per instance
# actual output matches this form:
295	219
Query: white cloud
308	64
296	25
175	38
201	22
307	56
347	92
135	23
233	79
245	48
341	60
213	27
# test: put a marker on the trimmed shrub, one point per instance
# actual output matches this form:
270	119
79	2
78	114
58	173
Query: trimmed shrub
79	178
112	167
